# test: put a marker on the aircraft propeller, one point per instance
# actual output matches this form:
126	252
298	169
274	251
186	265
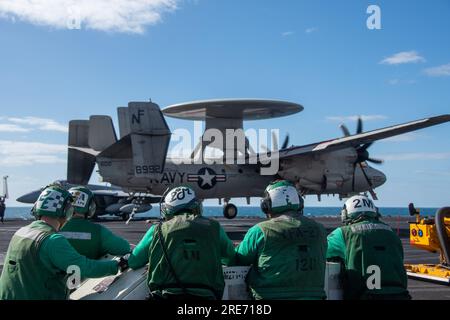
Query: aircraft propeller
285	142
275	143
362	156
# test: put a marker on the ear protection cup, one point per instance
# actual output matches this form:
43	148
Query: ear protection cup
68	208
91	209
266	204
162	204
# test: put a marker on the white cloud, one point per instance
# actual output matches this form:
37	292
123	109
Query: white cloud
416	156
20	153
373	117
403	57
393	81
311	30
287	33
4	127
440	71
131	16
41	123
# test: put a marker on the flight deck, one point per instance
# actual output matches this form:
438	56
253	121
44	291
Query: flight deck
237	228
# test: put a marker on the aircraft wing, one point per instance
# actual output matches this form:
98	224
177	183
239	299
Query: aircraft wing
112	193
363	138
121	194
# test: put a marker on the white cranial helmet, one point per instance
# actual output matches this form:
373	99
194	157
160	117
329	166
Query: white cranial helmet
357	206
180	200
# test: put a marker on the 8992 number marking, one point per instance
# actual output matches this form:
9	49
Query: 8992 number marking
147	169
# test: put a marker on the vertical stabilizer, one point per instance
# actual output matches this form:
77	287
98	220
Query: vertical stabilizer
124	123
81	160
101	132
150	137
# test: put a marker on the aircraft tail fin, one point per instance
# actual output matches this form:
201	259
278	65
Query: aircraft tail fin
145	137
101	132
81	158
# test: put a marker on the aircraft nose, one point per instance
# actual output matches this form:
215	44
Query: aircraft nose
378	177
30	197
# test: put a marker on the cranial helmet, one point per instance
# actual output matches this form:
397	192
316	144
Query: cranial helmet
54	201
83	201
358	206
281	196
180	200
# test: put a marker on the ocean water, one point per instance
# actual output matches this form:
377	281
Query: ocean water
244	211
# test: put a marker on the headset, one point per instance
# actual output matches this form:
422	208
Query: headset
91	209
161	202
266	203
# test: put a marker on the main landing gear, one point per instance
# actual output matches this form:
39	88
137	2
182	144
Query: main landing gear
230	211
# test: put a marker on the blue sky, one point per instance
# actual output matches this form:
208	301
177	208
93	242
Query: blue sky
316	53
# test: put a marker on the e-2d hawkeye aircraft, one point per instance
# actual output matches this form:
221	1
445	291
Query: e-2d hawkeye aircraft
137	161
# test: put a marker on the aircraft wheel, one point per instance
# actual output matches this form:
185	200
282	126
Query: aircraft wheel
125	216
230	211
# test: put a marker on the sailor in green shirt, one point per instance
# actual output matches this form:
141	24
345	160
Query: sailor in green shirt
286	252
38	257
91	239
185	253
368	248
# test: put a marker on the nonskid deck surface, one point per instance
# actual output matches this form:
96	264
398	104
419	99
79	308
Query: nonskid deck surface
237	228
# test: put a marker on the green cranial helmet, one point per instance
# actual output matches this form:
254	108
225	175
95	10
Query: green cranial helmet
83	201
281	196
54	201
180	200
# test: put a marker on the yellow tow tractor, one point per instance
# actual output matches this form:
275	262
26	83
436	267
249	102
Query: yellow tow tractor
431	234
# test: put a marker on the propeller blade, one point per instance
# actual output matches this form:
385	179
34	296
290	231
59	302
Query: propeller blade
353	178
285	142
359	128
345	130
366	146
371	191
365	175
377	161
373	194
274	140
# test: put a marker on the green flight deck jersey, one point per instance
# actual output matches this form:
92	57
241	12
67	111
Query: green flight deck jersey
36	265
287	254
93	240
196	246
366	243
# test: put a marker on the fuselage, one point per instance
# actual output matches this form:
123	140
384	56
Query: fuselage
329	173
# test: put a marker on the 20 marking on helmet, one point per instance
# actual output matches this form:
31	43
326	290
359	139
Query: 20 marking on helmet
180	200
